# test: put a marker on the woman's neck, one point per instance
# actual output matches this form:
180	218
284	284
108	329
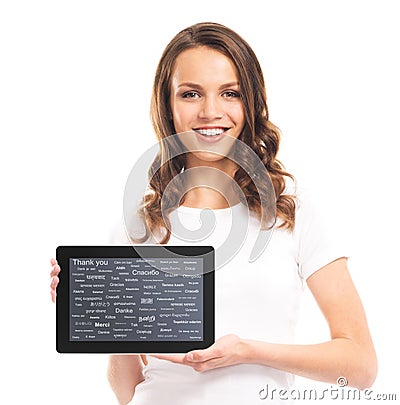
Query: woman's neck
204	197
210	184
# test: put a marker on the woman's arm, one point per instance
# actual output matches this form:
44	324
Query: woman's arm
124	374
350	352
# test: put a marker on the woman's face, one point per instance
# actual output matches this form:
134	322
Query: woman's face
206	100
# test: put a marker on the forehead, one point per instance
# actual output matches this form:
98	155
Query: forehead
203	64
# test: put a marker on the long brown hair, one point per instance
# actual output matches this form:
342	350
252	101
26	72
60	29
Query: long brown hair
259	133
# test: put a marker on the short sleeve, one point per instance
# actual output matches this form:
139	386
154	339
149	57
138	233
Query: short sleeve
318	238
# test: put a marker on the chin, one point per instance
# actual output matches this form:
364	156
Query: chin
208	156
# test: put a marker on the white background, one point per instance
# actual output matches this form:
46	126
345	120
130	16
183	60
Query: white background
75	82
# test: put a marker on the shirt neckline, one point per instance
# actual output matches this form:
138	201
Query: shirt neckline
218	211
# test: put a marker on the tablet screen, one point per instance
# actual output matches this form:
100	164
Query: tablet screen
155	300
136	299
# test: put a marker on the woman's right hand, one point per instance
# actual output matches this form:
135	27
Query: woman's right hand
55	270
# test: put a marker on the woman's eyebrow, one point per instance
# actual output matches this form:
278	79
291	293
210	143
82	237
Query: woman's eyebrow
190	84
230	84
198	86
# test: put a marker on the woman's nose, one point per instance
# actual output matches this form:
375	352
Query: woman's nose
211	108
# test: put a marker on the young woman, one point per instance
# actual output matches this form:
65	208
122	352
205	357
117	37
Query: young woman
209	85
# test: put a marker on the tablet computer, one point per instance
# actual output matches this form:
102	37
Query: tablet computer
135	299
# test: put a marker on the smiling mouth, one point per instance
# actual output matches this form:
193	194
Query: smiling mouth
210	131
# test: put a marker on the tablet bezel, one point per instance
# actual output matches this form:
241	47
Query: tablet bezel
64	253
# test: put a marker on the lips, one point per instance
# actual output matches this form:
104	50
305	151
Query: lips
210	134
210	131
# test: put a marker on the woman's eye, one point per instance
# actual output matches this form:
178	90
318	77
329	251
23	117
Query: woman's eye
231	94
190	94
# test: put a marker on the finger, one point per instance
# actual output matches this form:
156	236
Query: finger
144	359
55	270
54	282
53	295
178	359
209	365
53	261
202	355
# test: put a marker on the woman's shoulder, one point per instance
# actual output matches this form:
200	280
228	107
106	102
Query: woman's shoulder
130	228
303	196
118	233
318	232
311	214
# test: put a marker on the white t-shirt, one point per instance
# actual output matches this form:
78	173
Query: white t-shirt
258	300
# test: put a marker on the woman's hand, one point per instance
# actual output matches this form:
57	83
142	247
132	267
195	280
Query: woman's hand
226	351
55	270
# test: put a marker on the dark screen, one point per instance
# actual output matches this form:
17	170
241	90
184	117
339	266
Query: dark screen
136	299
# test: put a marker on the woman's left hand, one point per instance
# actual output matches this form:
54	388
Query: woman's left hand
226	351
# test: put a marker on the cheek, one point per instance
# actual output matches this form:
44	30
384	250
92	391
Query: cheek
182	115
239	115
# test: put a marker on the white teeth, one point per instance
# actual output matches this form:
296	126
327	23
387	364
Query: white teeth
211	132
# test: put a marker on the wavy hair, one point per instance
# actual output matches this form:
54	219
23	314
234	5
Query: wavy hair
259	133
